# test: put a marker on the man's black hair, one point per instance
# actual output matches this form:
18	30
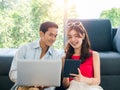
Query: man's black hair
44	26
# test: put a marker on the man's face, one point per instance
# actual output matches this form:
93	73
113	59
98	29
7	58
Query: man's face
49	37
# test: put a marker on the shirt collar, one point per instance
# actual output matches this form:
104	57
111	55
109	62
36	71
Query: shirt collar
50	50
37	45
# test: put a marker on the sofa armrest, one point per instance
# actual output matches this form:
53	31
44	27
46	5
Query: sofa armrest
116	40
114	30
6	57
5	63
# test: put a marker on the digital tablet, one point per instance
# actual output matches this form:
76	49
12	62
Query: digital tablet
71	66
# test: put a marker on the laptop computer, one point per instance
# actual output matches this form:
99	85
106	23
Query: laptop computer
39	72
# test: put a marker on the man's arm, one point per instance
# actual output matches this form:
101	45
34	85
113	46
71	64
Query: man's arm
20	54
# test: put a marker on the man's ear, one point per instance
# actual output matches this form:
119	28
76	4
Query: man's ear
41	34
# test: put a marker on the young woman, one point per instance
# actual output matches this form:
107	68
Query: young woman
78	48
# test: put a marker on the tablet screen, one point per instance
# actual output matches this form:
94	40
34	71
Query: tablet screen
71	66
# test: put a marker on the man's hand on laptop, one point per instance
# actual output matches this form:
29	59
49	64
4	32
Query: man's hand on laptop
41	87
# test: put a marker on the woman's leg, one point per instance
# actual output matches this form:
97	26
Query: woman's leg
95	88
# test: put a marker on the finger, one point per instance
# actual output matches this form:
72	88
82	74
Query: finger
76	79
79	71
42	86
35	86
74	75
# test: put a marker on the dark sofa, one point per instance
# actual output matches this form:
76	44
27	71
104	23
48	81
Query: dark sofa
101	37
6	56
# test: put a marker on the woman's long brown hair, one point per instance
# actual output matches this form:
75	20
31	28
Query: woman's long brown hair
85	47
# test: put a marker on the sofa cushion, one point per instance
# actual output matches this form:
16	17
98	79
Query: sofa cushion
110	82
110	62
99	32
5	83
116	40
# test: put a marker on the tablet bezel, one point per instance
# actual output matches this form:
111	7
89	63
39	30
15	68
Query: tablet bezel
71	66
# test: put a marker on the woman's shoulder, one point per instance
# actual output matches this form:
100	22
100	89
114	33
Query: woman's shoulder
95	55
94	52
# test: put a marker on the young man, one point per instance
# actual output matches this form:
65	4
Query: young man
37	50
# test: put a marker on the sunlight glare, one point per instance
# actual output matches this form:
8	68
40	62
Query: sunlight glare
59	3
88	8
93	8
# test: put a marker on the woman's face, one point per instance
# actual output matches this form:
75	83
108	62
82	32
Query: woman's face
75	39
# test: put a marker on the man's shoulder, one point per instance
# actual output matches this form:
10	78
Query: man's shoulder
29	45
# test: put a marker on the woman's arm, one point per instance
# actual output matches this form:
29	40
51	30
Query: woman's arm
66	82
96	67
